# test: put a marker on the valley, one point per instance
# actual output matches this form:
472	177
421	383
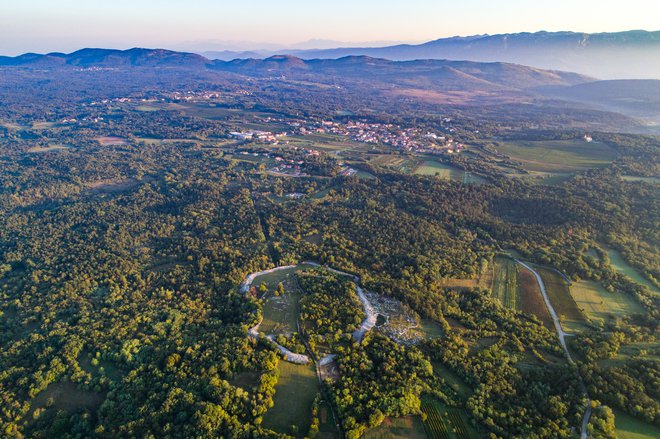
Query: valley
485	256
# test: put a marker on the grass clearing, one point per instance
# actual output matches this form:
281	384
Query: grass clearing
483	280
65	396
559	155
544	178
628	427
112	185
280	313
294	394
100	367
246	380
453	380
635	178
599	304
431	167
327	422
506	286
272	279
619	263
561	299
49	148
398	428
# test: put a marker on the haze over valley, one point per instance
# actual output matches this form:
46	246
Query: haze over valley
455	239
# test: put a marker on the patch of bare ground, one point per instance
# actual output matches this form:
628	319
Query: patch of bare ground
329	371
111	141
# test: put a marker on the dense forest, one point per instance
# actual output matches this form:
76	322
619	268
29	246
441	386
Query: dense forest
120	265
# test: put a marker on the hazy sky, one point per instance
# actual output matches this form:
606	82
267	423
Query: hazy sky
66	25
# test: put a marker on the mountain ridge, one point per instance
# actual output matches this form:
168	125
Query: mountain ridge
359	67
631	54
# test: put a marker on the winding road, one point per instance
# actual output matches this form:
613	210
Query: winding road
562	340
368	323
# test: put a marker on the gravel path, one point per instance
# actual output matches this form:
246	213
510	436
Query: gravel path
370	319
370	313
562	339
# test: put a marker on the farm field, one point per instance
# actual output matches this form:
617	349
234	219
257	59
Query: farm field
294	394
601	305
430	167
395	161
506	286
444	422
558	156
562	301
398	428
620	265
447	172
531	300
628	427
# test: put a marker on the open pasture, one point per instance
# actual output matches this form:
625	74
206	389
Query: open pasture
294	394
558	155
440	170
599	304
280	313
628	427
620	265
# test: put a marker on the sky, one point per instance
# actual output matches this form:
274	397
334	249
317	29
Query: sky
66	25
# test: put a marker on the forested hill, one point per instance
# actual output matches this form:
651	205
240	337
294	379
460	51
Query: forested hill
609	55
466	74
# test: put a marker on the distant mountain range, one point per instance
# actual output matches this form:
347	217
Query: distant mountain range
424	74
620	55
433	81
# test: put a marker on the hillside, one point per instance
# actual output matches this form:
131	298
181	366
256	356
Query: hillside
432	73
349	82
637	98
137	57
632	54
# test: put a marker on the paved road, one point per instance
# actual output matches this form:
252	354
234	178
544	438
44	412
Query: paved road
562	339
